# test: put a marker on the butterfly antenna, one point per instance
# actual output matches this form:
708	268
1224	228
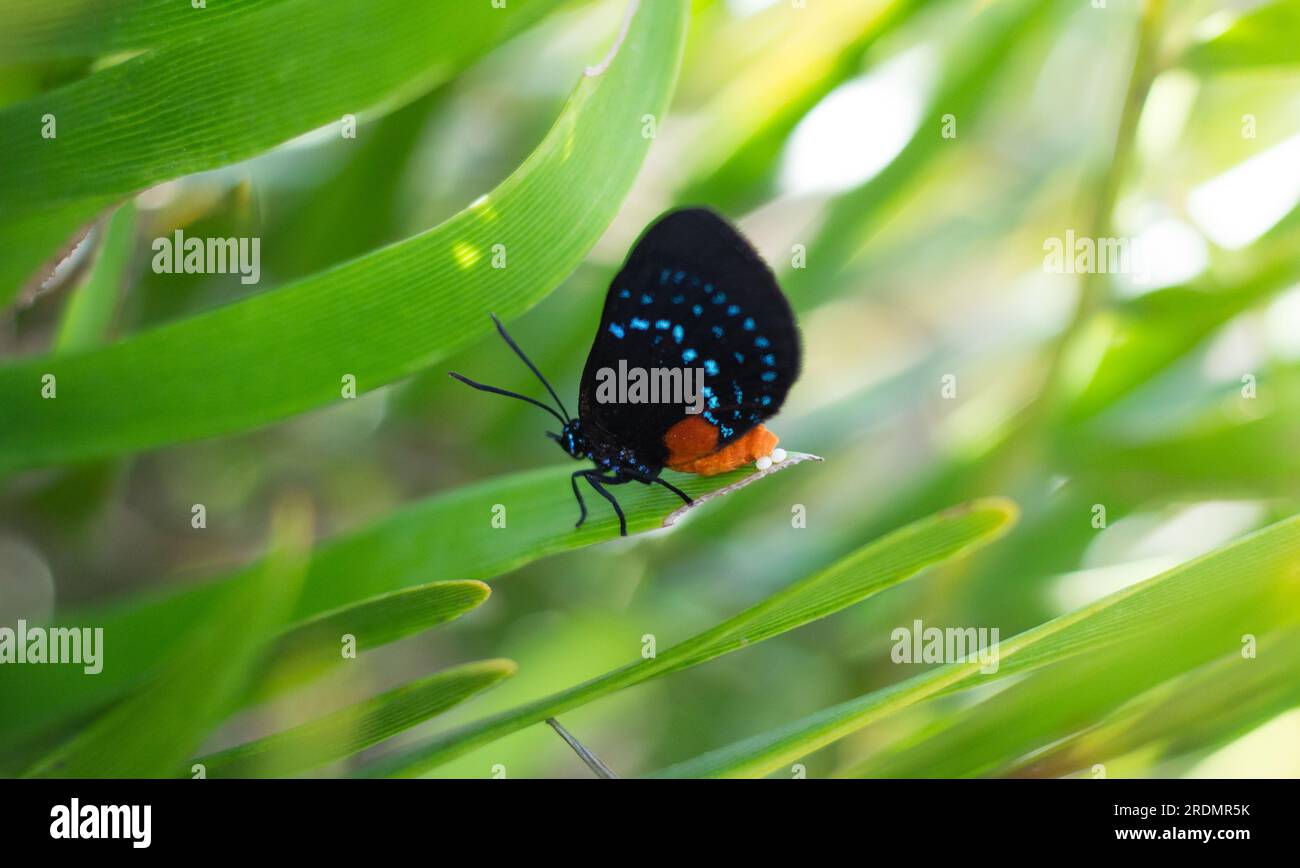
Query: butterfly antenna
505	336
482	387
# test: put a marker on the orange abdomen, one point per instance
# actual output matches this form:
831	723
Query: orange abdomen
693	447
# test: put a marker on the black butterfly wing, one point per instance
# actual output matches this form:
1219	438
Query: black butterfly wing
692	293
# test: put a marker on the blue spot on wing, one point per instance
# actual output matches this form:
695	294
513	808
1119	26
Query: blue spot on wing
616	330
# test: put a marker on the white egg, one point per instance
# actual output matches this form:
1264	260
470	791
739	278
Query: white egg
778	455
763	463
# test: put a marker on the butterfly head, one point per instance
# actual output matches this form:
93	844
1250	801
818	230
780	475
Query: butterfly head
571	438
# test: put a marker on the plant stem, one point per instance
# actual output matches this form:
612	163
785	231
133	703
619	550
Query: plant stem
593	762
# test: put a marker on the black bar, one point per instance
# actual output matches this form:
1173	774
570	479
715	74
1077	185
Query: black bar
216	817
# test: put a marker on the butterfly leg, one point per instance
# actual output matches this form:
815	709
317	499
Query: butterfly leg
647	480
594	477
674	489
582	506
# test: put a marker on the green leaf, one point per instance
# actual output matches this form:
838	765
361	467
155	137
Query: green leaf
1060	701
353	729
385	618
377	318
44	29
231	90
1209	457
43	236
221	89
1200	710
871	569
88	315
1262	38
429	540
1253	580
154	732
1146	335
313	646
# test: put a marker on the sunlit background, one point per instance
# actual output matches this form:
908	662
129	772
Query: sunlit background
819	129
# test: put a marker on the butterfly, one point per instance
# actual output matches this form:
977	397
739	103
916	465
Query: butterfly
694	298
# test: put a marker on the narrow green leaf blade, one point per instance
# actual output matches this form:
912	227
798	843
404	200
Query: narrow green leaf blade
89	312
385	618
434	539
1201	710
376	318
152	734
353	729
187	107
45	29
315	645
1143	337
1057	703
1256	577
873	568
231	89
32	243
